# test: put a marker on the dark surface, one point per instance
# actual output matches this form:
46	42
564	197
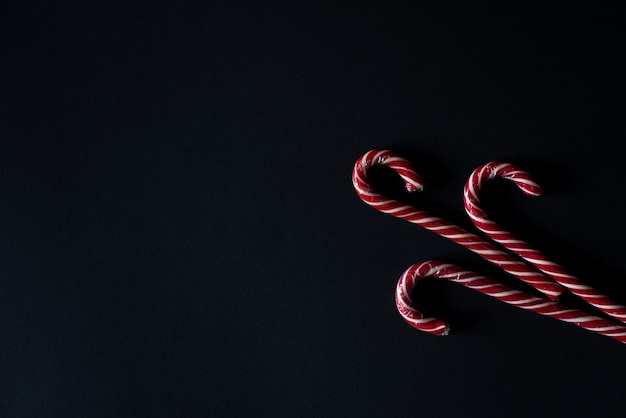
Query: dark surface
179	235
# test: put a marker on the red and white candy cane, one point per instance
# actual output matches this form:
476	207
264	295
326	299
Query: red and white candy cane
522	179
497	290
413	182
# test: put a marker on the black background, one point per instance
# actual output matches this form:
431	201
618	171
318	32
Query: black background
179	235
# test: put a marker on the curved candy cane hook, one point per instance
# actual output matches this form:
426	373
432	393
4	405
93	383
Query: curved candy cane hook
522	179
413	182
494	289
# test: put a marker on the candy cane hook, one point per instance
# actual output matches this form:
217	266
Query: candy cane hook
413	182
494	289
522	179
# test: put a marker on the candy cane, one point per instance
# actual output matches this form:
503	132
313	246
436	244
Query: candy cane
494	289
512	243
413	182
